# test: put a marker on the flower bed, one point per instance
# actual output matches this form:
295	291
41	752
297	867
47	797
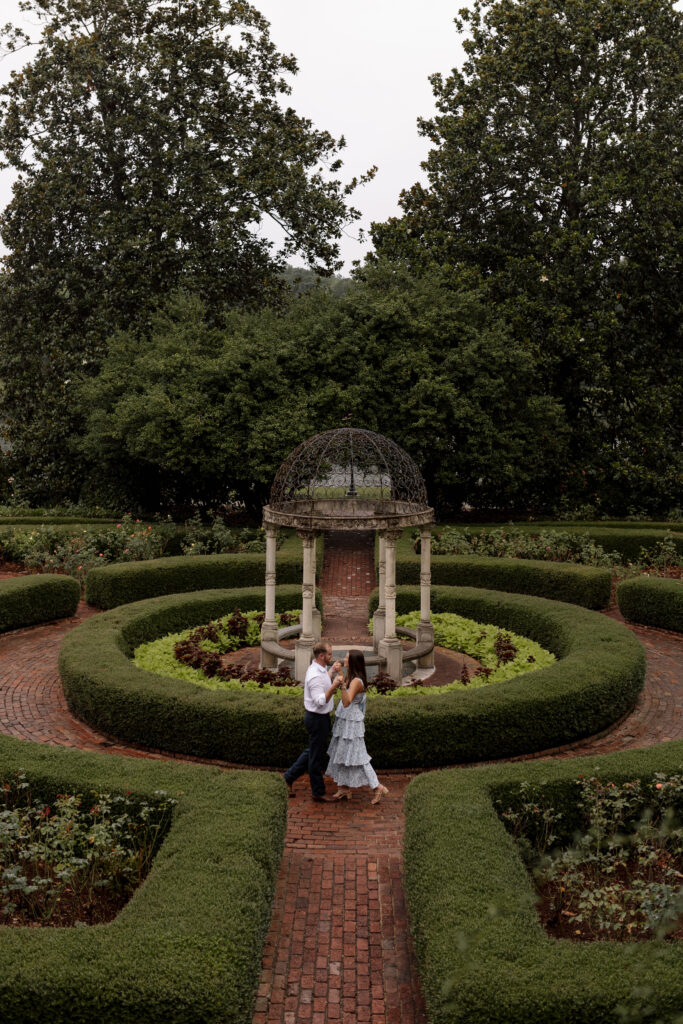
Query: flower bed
77	860
620	875
503	655
598	674
585	585
659	548
115	585
188	945
195	655
29	600
52	546
483	953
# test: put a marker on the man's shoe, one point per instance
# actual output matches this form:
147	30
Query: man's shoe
323	799
290	789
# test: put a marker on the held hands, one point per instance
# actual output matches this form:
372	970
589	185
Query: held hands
339	680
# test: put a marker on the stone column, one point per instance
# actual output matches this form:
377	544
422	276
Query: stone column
317	620
379	618
425	629
303	649
390	646
269	624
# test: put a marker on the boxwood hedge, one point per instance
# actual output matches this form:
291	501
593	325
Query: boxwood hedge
28	600
125	582
187	947
596	680
483	955
578	584
652	601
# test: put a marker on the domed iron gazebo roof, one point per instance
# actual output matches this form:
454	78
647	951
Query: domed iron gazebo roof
348	479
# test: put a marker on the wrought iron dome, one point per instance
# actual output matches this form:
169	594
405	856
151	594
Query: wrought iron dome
348	479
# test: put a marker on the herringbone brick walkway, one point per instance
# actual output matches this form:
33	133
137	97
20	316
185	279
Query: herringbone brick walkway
339	948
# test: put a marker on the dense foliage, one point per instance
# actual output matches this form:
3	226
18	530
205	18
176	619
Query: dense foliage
151	143
547	544
76	550
201	413
555	174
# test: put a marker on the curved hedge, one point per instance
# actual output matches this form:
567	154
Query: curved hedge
28	600
652	601
577	584
125	582
187	947
482	952
597	679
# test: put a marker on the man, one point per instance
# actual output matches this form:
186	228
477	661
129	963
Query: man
318	693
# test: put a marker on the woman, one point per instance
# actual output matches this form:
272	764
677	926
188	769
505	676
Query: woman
349	760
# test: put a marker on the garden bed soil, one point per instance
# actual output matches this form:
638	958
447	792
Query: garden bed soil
562	924
99	906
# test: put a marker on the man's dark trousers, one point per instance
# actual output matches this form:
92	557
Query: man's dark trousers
312	760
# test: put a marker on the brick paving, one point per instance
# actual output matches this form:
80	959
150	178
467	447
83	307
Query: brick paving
338	949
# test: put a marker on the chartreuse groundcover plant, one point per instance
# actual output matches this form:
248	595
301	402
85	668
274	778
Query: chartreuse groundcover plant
504	655
187	946
483	953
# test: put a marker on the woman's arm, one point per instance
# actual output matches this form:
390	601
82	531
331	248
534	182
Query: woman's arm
350	691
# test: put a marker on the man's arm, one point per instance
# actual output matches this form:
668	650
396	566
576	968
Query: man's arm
319	693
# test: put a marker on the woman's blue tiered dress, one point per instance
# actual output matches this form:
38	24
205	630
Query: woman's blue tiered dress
349	760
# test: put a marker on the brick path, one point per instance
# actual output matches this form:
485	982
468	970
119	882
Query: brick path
338	949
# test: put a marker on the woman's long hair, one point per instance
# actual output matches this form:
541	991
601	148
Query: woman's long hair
357	667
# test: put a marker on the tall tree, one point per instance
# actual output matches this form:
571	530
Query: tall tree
556	170
151	143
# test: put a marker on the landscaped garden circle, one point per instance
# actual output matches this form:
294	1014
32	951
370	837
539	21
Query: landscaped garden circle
598	674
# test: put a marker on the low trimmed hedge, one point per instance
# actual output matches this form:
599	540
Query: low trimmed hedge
652	601
597	679
483	955
125	582
187	947
578	584
28	600
104	687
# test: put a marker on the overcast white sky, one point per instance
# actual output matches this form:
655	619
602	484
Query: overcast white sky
363	67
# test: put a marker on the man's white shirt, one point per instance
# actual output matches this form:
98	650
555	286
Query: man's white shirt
316	685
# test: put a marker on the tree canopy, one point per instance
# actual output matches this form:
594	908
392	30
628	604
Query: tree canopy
151	142
556	171
202	413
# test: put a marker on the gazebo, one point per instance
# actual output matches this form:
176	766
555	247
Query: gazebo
349	479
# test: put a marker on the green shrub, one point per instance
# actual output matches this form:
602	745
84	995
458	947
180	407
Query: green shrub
652	601
28	600
623	537
105	688
578	584
597	678
482	952
113	585
187	947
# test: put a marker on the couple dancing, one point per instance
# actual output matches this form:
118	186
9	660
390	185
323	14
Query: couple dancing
349	760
